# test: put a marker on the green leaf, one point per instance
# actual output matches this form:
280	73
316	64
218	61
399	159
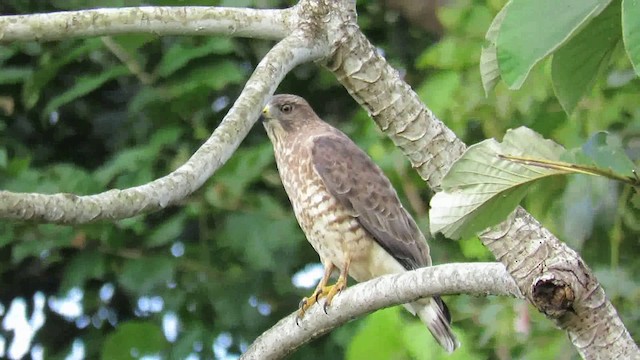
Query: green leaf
168	231
14	74
48	69
472	248
605	151
379	338
7	52
421	345
533	29
586	201
142	276
207	77
72	179
242	170
133	166
259	237
481	188
450	53
184	344
133	42
180	54
133	340
577	64
7	234
489	69
631	31
83	86
438	90
44	239
85	265
4	159
635	200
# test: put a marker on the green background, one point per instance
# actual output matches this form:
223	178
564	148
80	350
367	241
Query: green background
73	118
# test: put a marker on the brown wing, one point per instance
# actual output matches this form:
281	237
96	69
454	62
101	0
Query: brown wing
359	184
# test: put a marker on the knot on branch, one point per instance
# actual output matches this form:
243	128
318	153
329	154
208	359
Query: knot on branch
553	297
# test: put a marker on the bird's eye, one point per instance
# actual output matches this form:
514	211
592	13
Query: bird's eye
286	108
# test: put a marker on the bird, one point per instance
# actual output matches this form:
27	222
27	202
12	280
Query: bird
347	209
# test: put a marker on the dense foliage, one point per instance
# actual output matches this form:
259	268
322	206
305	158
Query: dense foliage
87	115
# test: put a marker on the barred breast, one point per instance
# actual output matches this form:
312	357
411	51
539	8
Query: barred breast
328	226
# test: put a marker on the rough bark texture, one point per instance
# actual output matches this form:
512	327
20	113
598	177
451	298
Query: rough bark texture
160	20
552	276
556	280
396	108
470	278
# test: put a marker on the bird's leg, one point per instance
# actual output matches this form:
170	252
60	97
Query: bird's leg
340	285
321	289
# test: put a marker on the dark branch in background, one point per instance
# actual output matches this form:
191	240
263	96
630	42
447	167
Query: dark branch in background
460	278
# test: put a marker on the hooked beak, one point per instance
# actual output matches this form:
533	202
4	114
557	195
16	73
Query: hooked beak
265	114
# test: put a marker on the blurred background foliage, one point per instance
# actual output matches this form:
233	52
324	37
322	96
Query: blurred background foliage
202	279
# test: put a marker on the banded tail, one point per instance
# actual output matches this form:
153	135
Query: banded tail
435	315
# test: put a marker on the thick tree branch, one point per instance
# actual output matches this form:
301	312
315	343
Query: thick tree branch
462	278
185	20
550	275
160	193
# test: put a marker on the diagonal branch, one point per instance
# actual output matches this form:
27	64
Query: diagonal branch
158	20
460	278
160	193
552	276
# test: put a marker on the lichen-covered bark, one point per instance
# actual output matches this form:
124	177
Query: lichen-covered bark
159	20
558	282
468	278
552	276
426	141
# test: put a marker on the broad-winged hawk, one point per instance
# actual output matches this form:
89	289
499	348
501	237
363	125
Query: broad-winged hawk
347	208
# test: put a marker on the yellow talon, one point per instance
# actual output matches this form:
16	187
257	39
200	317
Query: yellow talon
322	290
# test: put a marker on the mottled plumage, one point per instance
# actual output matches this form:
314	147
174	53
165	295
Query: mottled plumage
347	207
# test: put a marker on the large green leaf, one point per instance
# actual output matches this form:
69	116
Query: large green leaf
482	188
533	29
489	69
577	64
133	340
631	31
490	179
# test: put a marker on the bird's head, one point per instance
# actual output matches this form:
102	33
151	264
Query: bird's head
286	114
